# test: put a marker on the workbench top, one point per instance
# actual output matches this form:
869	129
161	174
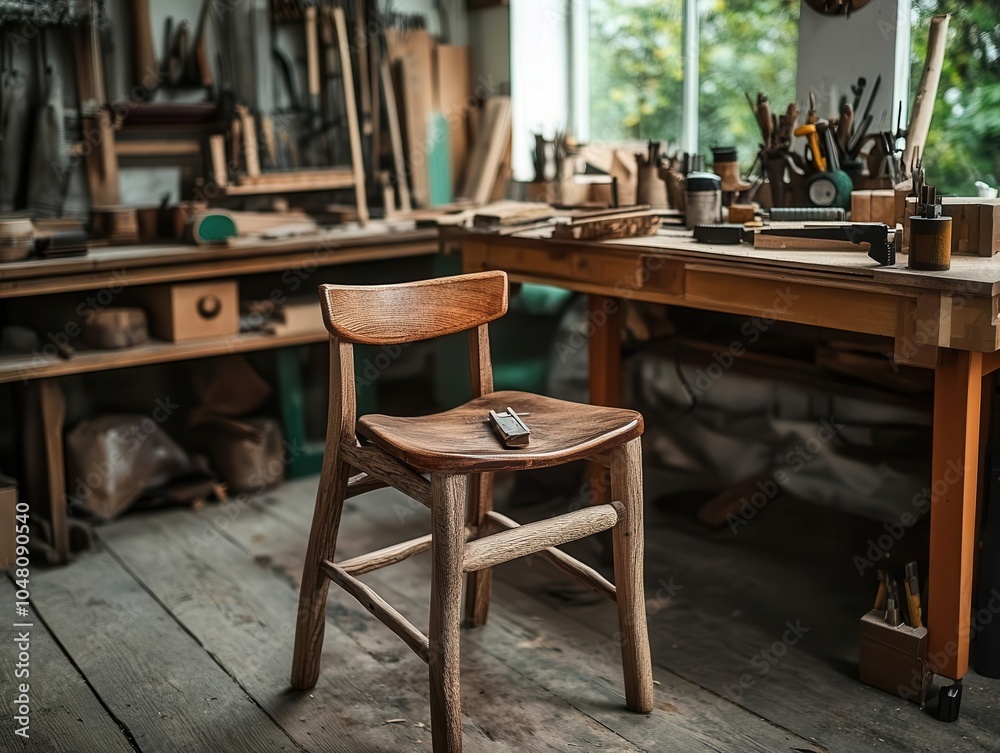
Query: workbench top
971	275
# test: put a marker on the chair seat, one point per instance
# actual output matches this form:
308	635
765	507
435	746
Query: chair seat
461	440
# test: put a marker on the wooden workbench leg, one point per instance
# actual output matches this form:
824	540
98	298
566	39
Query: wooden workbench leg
955	478
604	324
47	486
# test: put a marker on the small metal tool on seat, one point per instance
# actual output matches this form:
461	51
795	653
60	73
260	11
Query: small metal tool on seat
513	432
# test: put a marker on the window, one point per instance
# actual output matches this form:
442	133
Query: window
963	145
613	70
637	68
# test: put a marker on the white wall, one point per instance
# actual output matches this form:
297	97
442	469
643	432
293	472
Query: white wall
489	38
834	51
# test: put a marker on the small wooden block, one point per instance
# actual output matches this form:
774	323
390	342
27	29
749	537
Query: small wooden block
741	213
883	207
861	202
989	227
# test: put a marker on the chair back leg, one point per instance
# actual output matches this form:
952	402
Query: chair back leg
479	583
627	535
448	496
310	622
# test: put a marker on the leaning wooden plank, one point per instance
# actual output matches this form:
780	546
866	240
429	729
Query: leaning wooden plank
528	539
243	613
157	681
380	609
59	699
503	711
584	574
487	151
353	128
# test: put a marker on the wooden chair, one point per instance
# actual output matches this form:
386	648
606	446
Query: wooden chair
460	453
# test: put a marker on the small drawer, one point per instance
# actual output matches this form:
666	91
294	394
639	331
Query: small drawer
190	311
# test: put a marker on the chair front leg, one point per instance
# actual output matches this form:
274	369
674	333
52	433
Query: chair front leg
626	487
449	494
310	623
479	584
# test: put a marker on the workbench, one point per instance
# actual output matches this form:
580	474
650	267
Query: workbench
945	321
112	269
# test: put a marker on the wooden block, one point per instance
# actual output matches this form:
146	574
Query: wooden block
861	206
883	207
8	520
190	311
989	227
900	195
740	213
959	235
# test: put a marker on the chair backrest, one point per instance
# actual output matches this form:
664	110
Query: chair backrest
411	311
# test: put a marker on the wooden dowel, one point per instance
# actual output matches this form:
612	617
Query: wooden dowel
380	609
923	102
378	463
584	574
528	539
390	555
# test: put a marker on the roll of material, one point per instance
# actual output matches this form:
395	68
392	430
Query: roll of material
807	214
210	228
930	244
17	238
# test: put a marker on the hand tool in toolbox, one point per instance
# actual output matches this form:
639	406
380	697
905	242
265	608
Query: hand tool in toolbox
930	230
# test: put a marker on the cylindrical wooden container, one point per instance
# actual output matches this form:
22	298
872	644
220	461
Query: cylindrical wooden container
930	244
650	189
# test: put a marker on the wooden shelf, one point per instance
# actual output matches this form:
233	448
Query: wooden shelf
23	367
291	182
144	265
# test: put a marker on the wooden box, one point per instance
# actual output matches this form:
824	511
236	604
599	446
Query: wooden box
894	658
193	310
8	522
975	224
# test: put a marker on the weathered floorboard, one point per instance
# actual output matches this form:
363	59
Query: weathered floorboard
155	679
560	654
244	614
502	709
66	716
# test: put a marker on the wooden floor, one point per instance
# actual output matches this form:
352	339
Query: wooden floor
176	635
